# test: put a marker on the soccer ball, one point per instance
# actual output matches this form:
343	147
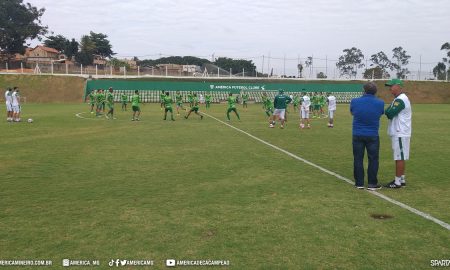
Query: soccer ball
30	120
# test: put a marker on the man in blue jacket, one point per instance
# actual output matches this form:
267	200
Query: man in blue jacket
367	111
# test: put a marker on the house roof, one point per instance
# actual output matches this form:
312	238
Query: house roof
47	49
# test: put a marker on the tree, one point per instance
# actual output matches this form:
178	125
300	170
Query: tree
116	63
440	71
236	66
309	63
185	60
86	54
300	70
321	75
62	44
375	73
401	59
18	22
382	61
102	45
349	63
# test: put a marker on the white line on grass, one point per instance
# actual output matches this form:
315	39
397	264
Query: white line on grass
402	205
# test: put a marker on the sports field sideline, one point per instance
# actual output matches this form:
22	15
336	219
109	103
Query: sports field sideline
86	187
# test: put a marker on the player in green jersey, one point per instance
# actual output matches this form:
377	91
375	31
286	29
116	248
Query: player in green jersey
110	104
315	105
191	99
280	103
244	100
232	106
269	108
179	101
168	106
135	101
100	101
208	100
124	99
195	107
296	102
92	100
161	99
264	98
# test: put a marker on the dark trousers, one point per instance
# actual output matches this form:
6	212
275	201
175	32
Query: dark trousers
372	145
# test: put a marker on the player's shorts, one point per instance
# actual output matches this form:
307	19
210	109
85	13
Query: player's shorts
92	103
168	109
194	109
280	113
331	114
110	106
400	147
179	104
136	108
316	107
124	102
16	108
304	113
9	107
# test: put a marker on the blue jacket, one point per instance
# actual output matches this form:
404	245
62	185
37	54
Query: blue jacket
367	111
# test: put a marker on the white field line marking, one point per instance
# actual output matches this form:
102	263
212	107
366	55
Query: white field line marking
382	196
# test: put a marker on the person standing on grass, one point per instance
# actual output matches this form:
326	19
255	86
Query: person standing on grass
100	98
161	99
304	111
295	102
8	101
110	103
280	103
208	100
195	107
191	99
168	106
367	111
124	99
135	101
92	100
232	106
244	100
399	114
15	104
331	100
179	101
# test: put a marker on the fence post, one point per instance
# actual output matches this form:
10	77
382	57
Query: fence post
110	71
6	66
218	71
139	74
166	71
243	72
52	66
67	69
81	69
96	71
124	71
21	67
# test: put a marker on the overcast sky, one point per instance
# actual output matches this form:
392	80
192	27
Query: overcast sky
250	29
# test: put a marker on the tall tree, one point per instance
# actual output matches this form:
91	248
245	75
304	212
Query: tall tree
300	70
18	22
87	49
382	61
349	63
102	45
62	44
376	73
400	60
440	71
236	66
309	64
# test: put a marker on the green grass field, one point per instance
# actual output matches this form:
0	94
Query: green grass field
85	188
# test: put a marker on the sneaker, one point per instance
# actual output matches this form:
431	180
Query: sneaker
374	187
393	185
185	117
403	184
302	126
281	126
359	187
271	126
132	119
201	117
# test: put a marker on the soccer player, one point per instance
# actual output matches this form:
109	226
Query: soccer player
124	99
194	107
331	100
244	100
322	101
232	106
315	105
161	99
296	102
264	98
280	103
8	100
168	106
135	100
15	104
269	109
179	101
208	100
100	97
304	111
191	99
110	103
92	100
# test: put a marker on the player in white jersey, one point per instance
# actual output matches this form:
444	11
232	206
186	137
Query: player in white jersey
16	104
399	114
8	101
304	111
331	100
